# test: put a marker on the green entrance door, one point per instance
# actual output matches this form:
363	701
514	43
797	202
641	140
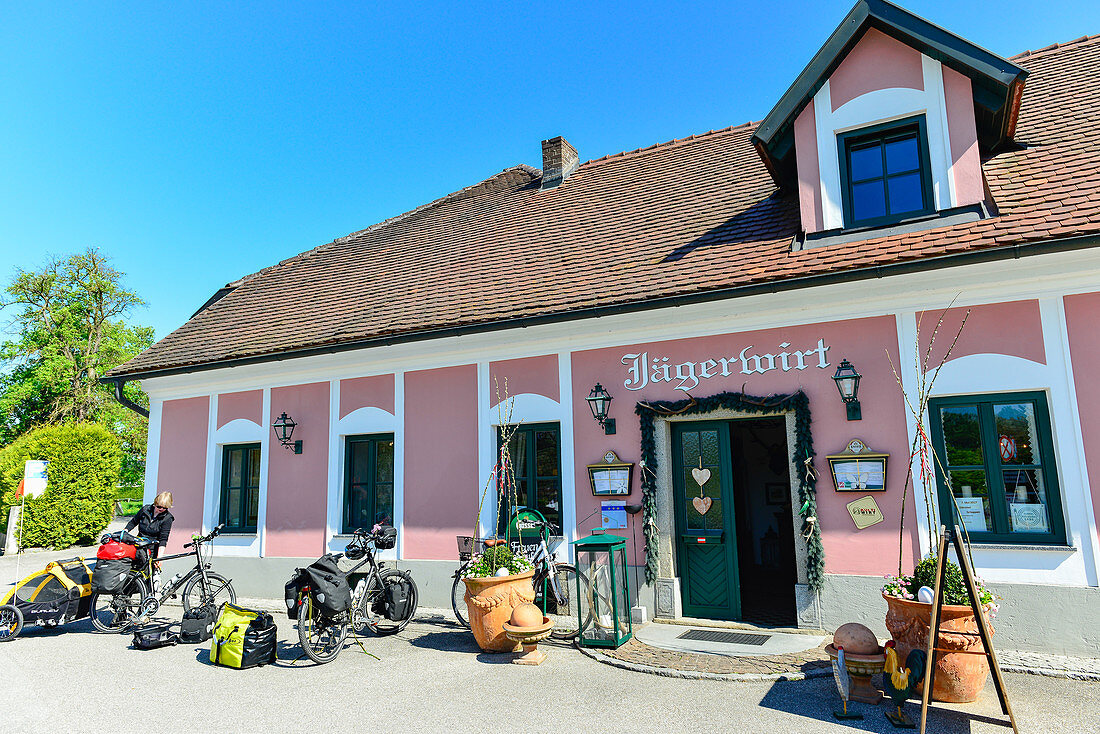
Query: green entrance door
706	541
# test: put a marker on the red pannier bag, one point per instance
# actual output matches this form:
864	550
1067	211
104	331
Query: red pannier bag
113	550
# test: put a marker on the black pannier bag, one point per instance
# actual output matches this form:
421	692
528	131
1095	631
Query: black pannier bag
290	594
328	587
398	597
152	636
109	576
198	624
386	537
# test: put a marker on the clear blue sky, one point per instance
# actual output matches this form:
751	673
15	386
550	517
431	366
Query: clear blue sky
198	142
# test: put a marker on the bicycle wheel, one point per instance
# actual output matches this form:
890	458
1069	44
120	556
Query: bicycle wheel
321	638
569	612
373	605
11	622
114	612
458	602
217	590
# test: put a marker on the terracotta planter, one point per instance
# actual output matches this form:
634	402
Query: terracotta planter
490	602
960	676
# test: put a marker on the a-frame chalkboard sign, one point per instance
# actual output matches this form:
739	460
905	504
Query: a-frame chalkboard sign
954	536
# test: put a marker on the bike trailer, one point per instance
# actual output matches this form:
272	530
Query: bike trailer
55	595
109	576
328	585
152	636
243	638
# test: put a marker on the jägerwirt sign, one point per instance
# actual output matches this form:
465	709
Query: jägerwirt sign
643	369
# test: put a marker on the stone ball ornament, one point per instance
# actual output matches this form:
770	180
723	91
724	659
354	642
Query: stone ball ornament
925	595
856	638
526	615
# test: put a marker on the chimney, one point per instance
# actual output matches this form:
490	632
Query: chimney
559	159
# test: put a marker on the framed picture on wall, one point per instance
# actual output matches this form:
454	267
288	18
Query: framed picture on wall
611	477
777	493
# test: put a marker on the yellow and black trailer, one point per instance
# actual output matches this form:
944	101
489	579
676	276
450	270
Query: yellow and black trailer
58	594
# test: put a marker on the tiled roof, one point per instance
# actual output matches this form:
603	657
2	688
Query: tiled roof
684	217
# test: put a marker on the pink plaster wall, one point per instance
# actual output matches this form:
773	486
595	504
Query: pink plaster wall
864	341
536	375
366	392
248	405
1013	328
296	483
181	468
876	62
809	172
963	133
1082	315
442	483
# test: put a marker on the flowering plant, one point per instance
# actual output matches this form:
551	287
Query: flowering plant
493	559
954	590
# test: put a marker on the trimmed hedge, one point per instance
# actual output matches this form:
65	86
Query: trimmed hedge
83	472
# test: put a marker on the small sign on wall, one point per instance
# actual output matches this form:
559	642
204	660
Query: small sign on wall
614	514
865	512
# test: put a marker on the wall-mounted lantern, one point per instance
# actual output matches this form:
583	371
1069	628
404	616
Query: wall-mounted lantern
600	401
284	431
847	382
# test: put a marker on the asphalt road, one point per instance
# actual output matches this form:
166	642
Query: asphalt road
432	678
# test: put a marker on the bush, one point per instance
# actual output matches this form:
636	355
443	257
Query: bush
84	462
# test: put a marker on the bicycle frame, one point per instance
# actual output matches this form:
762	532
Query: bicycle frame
200	568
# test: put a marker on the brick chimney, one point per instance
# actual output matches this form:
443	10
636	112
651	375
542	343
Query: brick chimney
559	159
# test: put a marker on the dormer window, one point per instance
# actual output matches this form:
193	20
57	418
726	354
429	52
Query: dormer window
885	173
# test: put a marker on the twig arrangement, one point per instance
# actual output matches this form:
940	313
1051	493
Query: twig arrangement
916	402
503	473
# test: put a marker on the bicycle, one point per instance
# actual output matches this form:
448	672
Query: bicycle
373	602
561	604
138	600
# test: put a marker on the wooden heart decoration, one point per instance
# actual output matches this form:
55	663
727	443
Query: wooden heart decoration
701	476
702	504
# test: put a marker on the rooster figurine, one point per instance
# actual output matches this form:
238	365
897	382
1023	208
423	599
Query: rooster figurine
898	682
843	685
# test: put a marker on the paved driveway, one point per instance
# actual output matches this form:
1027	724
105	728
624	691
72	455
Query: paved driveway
432	678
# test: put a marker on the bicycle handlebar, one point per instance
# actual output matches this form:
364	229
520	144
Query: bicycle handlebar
204	538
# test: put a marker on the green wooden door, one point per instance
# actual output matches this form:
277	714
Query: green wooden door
706	539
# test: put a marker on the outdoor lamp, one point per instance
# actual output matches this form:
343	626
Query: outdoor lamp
847	382
601	562
284	430
599	401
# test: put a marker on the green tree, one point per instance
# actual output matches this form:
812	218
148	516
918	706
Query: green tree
69	327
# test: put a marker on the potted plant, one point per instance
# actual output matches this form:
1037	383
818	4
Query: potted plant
497	581
960	674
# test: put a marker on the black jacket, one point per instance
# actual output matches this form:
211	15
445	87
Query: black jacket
152	526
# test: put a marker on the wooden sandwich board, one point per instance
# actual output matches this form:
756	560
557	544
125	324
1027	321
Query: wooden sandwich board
954	536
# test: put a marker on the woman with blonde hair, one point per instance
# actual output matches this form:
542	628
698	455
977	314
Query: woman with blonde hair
155	521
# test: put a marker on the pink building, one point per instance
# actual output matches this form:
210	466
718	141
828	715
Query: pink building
713	285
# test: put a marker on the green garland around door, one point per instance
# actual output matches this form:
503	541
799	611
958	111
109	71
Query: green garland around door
741	403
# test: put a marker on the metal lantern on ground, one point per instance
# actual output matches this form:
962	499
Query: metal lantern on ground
847	382
603	591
